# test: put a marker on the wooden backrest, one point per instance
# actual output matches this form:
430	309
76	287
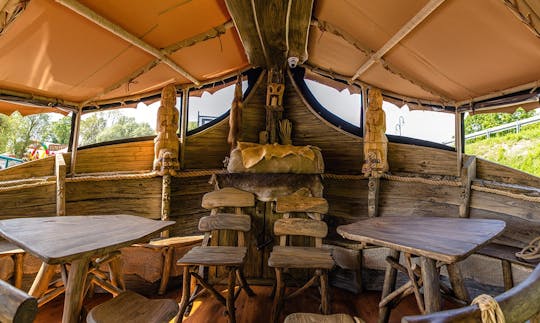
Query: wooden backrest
297	203
228	197
225	221
15	305
300	227
518	305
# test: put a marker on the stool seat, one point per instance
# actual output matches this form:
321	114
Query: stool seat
134	308
214	256
300	257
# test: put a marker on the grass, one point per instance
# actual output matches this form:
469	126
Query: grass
517	150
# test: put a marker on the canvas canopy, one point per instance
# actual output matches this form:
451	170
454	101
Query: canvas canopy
453	53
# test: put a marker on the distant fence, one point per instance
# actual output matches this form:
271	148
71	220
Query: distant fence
507	126
6	161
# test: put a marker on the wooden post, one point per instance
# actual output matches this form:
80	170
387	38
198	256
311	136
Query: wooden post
42	280
430	276
183	126
75	290
165	202
456	280
75	142
389	286
60	172
468	173
458	141
373	196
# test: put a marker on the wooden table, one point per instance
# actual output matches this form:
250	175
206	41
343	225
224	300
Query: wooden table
433	239
75	239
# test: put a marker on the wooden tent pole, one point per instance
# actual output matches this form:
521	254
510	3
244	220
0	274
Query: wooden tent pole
402	33
125	35
458	141
183	126
75	143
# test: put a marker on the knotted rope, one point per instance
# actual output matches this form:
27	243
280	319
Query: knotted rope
490	309
421	180
531	251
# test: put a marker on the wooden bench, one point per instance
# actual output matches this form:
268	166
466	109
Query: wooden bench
518	304
507	255
15	305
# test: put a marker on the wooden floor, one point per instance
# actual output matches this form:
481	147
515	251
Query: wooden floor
258	308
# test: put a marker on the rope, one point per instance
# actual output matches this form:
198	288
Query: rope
531	251
421	180
26	181
99	178
204	172
508	194
490	309
342	177
23	186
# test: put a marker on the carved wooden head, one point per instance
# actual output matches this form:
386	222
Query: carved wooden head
375	99
168	95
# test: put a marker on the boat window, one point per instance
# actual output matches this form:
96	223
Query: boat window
208	107
25	138
343	104
431	126
510	139
117	124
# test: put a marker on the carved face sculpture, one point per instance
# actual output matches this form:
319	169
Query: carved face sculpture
375	99
168	96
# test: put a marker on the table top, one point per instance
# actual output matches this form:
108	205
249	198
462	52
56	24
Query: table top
445	239
62	239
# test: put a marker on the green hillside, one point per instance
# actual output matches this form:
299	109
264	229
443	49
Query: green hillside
517	150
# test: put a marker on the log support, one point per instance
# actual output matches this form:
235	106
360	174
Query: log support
468	174
165	202
60	172
373	196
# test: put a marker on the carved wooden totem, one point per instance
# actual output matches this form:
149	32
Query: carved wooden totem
166	144
375	141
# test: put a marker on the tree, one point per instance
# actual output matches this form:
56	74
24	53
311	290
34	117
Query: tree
90	128
482	121
19	132
125	127
59	131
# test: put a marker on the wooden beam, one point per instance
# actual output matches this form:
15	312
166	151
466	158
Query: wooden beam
18	97
125	35
297	33
210	34
242	14
328	27
402	33
468	174
458	141
531	85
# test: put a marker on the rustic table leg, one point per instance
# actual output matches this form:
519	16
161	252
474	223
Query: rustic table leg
430	276
42	280
388	287
456	280
18	270
74	290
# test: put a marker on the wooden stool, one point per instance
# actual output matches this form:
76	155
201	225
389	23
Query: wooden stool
7	249
134	308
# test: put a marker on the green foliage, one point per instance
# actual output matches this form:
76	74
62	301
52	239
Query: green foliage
19	132
517	150
477	122
106	126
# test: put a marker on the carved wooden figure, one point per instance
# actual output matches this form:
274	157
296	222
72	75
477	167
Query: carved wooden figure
375	141
166	144
274	103
235	119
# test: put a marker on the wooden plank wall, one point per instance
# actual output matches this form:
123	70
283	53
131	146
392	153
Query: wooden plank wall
342	153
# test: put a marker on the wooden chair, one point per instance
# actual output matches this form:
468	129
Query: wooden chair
518	304
7	249
284	257
232	258
134	308
15	305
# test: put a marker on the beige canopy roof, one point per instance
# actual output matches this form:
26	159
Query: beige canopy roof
72	53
